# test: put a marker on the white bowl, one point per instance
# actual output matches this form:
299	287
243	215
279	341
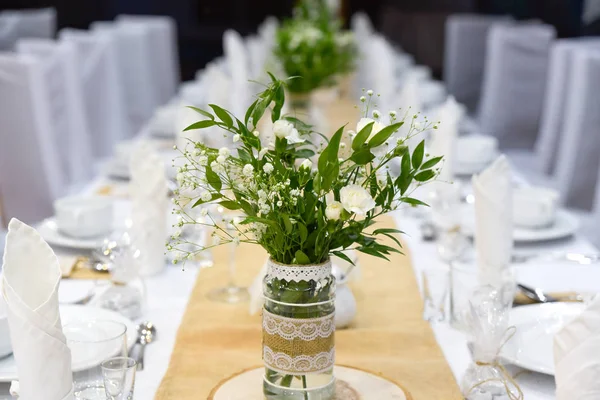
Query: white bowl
84	217
534	207
476	149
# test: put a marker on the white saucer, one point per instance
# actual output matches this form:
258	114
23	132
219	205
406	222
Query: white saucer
565	225
532	345
463	168
49	231
68	314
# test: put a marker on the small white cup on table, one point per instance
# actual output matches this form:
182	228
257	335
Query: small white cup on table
84	217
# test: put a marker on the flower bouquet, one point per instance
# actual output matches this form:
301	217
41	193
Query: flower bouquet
312	47
302	206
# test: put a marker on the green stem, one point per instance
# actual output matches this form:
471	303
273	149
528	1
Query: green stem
304	386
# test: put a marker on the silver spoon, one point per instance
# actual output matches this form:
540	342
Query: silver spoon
536	294
146	334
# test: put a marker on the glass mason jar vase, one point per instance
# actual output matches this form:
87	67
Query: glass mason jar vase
298	332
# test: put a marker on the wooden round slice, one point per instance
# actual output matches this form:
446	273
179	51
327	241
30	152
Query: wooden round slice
351	384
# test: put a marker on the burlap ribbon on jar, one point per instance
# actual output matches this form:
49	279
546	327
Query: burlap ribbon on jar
296	346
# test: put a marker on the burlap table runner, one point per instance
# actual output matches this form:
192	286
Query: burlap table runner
388	337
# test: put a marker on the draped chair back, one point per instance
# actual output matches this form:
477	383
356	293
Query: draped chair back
464	55
560	76
60	65
104	95
164	56
578	161
31	176
514	82
136	76
34	23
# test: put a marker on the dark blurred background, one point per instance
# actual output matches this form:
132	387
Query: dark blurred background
416	25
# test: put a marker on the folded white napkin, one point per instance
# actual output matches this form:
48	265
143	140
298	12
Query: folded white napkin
30	280
577	356
443	139
493	220
149	208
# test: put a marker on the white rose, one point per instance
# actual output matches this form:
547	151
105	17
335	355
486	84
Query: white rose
285	130
377	126
333	210
306	164
248	170
356	199
224	151
206	196
268	168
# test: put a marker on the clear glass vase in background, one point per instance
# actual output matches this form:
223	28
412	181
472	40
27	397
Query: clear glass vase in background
292	295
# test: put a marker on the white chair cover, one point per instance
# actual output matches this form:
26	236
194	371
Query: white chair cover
578	161
104	96
379	73
30	172
237	64
560	76
514	82
8	32
165	56
63	91
34	23
464	55
136	75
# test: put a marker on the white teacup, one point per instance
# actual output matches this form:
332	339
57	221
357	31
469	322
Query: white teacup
476	149
84	217
534	207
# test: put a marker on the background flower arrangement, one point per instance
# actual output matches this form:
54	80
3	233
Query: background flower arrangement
313	47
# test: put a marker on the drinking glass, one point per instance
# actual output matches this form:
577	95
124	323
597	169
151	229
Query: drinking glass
436	282
232	293
119	378
91	343
465	279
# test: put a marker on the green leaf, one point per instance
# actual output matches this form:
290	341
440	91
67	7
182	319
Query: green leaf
205	113
279	101
304	153
395	239
384	134
362	136
250	111
287	380
431	163
362	157
343	256
287	223
230	205
302	231
372	252
302	258
213	179
334	145
200	125
214	196
417	157
386	230
412	201
425	175
222	114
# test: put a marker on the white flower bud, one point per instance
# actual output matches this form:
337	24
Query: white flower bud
236	138
306	164
333	210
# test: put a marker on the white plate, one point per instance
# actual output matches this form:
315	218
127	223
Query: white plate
532	345
49	231
72	291
566	224
73	313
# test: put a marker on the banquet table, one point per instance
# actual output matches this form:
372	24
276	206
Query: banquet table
170	291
